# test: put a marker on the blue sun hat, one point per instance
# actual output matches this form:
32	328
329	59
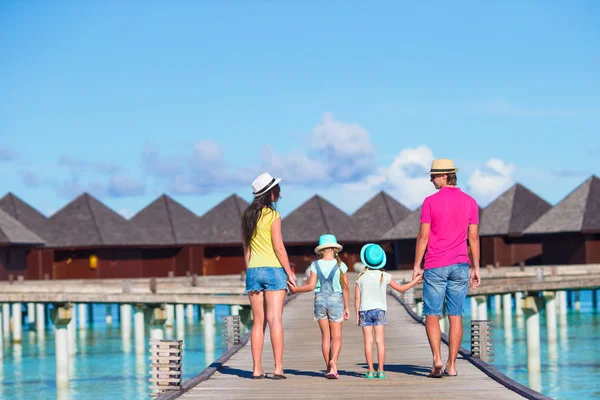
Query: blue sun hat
328	241
373	256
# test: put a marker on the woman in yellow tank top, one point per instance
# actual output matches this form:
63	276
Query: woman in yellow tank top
268	271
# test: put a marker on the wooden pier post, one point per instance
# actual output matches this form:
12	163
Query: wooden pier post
71	332
531	307
550	298
6	319
594	299
170	315
507	314
109	317
497	303
1	336
82	311
31	314
40	318
519	304
209	327
61	317
17	312
189	313
180	320
481	307
577	300
125	320
155	318
139	327
473	308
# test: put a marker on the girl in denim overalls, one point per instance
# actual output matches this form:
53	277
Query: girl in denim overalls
329	280
370	303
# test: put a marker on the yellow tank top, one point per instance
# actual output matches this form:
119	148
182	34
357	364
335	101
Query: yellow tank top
262	253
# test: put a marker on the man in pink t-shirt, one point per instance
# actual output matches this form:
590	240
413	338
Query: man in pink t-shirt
449	218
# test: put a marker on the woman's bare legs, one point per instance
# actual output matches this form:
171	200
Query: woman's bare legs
257	302
325	342
274	300
336	344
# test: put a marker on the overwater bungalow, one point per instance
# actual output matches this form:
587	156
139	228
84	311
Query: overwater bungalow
39	259
502	224
16	243
377	216
570	231
97	242
174	233
403	239
303	226
220	233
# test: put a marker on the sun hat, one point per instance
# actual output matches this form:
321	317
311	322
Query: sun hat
263	184
373	256
327	241
442	166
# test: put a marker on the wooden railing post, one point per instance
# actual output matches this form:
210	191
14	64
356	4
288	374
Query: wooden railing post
481	340
231	332
165	366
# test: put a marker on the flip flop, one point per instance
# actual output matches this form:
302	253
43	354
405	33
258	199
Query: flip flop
278	377
261	376
331	375
432	375
445	373
381	375
370	375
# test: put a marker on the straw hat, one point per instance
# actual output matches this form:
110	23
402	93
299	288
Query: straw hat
442	166
263	184
328	241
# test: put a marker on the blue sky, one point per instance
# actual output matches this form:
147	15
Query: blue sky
342	99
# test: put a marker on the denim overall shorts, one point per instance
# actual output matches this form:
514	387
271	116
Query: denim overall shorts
328	303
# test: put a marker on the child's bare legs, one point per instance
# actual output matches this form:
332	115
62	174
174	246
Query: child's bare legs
380	341
368	337
325	341
336	345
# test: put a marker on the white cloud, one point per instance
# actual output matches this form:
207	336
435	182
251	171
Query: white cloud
486	183
295	167
120	186
345	148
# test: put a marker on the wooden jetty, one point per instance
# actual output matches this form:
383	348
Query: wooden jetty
407	364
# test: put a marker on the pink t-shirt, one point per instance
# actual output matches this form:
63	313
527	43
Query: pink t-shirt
450	211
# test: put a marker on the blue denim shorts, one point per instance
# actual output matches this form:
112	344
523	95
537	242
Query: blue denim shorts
372	317
329	306
259	279
449	283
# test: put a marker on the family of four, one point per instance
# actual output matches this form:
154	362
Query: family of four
449	220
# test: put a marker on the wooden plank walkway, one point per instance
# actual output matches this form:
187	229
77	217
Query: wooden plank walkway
407	364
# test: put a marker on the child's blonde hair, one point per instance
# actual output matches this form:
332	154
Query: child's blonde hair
365	270
339	263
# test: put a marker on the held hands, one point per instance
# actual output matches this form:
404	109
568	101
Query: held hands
418	278
417	271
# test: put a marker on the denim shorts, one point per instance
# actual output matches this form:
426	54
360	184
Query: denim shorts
329	306
372	317
259	279
450	283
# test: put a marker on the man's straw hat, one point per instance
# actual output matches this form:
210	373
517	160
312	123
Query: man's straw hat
442	166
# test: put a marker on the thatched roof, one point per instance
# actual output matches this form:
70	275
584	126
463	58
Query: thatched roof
578	212
315	217
12	232
222	224
408	228
377	216
86	222
30	218
168	222
512	212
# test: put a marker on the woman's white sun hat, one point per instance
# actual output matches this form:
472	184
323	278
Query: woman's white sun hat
442	166
263	184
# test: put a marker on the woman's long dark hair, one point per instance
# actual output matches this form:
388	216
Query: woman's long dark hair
253	212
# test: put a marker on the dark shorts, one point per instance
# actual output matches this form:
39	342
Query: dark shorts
259	279
449	283
372	317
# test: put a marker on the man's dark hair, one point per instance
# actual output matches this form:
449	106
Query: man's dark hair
451	179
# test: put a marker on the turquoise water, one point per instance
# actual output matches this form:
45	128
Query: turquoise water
105	366
570	367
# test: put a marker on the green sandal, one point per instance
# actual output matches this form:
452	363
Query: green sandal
370	375
381	375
